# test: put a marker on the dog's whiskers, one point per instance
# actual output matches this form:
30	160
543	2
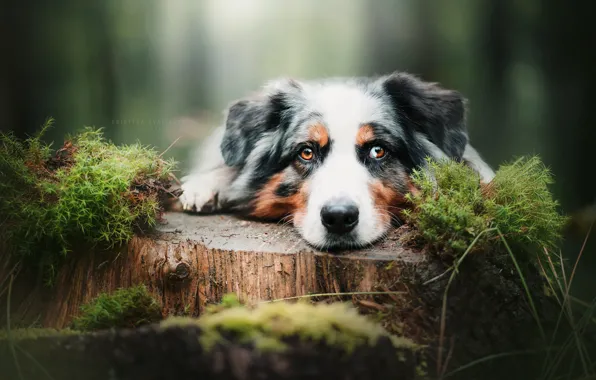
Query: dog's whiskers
286	220
391	214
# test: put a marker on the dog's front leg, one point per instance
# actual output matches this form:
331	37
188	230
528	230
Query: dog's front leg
204	189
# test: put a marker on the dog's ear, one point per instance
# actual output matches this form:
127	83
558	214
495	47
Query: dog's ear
437	113
248	120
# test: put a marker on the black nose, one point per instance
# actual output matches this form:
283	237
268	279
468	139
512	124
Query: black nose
340	217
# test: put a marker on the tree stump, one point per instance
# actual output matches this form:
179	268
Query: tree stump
192	261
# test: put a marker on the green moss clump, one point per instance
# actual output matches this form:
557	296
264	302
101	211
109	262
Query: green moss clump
523	207
228	301
125	308
453	208
35	333
267	325
449	209
89	191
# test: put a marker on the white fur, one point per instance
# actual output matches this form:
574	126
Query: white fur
476	162
209	177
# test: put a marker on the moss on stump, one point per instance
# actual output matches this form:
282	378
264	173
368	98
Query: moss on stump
88	192
126	307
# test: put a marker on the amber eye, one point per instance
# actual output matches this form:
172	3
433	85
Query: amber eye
306	154
377	152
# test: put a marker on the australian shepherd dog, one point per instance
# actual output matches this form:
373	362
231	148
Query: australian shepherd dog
333	156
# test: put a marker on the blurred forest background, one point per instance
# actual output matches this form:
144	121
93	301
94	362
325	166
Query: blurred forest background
156	71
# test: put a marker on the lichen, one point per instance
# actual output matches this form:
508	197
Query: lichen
126	307
88	191
268	325
452	209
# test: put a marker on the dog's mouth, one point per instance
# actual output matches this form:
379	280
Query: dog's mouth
337	244
344	241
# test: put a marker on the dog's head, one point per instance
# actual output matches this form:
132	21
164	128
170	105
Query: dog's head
335	156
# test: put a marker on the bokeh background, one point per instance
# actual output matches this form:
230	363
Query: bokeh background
157	71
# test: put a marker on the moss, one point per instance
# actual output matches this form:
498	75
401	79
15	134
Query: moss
449	210
228	301
126	307
268	325
421	370
522	206
34	333
88	191
452	207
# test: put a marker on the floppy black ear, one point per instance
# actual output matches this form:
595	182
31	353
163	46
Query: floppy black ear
439	114
247	121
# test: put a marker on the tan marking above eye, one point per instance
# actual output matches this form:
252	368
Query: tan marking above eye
318	133
365	135
307	154
377	152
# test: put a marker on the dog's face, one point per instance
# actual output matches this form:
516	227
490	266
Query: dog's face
335	156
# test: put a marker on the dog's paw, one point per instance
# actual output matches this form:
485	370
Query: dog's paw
198	194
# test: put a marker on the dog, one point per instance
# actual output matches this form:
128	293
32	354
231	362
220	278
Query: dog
333	156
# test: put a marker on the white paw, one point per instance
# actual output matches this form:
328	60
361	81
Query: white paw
198	194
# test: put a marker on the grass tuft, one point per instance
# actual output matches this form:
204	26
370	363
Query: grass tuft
125	308
88	191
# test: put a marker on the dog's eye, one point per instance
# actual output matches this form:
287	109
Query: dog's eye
306	154
377	152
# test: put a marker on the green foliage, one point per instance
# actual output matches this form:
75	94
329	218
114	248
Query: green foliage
127	307
267	325
453	208
88	191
